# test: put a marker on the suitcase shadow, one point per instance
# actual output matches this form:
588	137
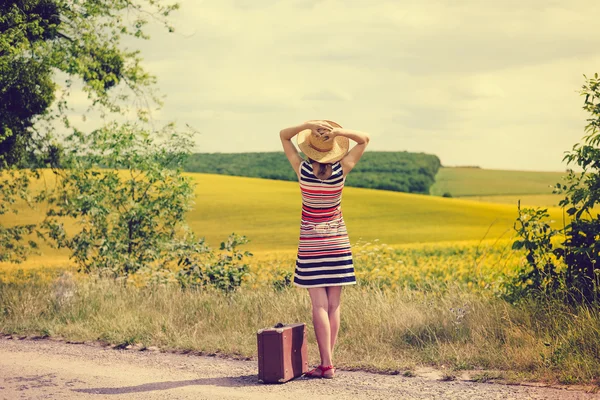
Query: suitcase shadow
234	381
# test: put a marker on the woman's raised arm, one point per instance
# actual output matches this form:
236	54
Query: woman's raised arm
287	134
361	139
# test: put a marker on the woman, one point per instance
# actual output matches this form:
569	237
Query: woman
324	262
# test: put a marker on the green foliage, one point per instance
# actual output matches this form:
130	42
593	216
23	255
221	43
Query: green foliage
225	270
124	190
26	91
24	23
540	276
26	87
131	213
83	40
14	186
580	250
283	280
397	171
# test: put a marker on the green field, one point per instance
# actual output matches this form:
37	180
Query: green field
462	182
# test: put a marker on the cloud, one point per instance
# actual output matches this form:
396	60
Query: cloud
475	82
253	4
327	95
423	117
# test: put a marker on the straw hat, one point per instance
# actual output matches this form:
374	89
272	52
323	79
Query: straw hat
320	149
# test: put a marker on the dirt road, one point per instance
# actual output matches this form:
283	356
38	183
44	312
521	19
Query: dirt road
46	369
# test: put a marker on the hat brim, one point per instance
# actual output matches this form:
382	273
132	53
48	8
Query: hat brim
341	144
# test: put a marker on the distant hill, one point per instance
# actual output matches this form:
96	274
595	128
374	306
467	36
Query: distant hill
396	171
466	181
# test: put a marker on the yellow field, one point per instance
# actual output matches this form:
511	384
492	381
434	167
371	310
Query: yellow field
268	212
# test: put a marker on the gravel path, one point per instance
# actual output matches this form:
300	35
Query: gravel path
48	369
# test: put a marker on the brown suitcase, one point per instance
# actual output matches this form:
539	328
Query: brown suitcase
282	354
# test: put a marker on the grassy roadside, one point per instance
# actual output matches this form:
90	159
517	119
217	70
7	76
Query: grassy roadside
383	330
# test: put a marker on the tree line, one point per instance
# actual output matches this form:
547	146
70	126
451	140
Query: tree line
399	171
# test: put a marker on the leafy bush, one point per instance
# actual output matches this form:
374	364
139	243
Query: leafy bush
131	213
580	250
540	276
124	189
14	187
225	271
283	280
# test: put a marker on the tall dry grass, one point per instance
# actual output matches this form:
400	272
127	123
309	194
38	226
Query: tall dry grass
389	329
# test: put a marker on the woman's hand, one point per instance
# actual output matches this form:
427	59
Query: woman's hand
319	127
329	136
335	132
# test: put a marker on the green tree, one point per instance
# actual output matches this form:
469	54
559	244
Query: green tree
26	91
82	39
386	170
123	188
580	250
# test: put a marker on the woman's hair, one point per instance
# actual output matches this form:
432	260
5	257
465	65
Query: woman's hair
322	167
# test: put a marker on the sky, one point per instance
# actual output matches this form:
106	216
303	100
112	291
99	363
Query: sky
487	83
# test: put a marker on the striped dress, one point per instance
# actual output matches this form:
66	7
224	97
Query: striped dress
324	254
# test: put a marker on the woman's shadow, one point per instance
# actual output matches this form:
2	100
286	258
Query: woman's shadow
237	381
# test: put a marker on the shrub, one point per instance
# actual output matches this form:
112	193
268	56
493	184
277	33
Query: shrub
225	271
580	250
14	187
122	187
540	276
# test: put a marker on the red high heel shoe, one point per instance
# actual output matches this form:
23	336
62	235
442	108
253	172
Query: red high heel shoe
322	368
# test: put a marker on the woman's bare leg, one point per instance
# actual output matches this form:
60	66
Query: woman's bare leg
318	297
333	309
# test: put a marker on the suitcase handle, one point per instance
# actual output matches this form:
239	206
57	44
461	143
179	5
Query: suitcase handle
279	325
